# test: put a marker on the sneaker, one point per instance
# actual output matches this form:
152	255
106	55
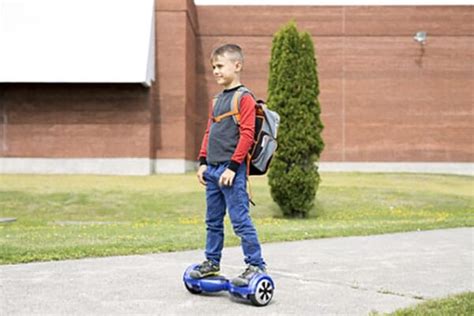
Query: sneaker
247	275
205	269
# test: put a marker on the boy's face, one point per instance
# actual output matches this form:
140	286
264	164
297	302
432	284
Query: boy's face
226	70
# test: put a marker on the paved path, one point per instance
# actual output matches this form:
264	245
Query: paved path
350	276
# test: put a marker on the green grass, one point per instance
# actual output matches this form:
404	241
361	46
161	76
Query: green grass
459	305
60	217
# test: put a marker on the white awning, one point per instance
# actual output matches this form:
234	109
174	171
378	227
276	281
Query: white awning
77	41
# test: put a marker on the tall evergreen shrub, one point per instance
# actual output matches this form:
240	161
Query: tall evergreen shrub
293	93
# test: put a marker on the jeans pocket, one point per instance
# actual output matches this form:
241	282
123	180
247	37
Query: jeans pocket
221	168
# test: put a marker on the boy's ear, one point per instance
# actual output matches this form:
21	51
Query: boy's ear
238	66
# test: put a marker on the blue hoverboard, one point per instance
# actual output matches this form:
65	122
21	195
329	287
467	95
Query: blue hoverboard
259	291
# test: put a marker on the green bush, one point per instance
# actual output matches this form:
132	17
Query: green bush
293	92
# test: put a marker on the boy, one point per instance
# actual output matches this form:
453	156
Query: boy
223	169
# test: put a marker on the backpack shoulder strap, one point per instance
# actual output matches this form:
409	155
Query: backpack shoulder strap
233	112
235	107
236	102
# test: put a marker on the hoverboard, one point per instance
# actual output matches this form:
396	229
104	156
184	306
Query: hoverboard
259	291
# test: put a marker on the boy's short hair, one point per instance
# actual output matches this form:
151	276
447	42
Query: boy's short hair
233	50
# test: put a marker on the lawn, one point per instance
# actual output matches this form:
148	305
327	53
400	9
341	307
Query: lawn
459	305
61	217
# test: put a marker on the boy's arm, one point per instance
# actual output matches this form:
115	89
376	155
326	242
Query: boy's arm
203	151
205	139
247	129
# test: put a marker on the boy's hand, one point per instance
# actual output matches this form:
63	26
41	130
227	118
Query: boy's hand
200	174
227	178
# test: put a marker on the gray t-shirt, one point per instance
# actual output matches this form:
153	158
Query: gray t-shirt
224	135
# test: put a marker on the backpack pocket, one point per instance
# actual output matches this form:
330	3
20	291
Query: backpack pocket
264	152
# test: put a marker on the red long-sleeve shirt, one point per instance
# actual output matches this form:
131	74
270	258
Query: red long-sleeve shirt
246	133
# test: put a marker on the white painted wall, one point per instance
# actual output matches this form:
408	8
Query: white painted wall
106	166
145	166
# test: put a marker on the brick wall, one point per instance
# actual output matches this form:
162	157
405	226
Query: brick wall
383	97
74	120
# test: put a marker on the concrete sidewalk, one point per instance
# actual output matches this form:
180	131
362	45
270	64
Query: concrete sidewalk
350	276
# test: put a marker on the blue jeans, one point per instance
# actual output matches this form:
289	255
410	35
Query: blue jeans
236	199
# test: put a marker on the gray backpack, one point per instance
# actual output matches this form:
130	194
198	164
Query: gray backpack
265	137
